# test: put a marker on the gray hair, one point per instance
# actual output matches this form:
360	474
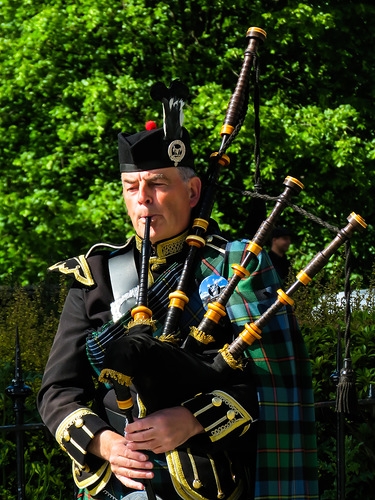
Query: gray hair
186	173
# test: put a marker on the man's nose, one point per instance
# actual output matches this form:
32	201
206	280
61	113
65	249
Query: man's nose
144	195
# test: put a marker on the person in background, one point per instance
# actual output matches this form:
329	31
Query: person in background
281	239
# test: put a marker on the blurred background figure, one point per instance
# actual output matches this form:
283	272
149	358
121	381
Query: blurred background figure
281	239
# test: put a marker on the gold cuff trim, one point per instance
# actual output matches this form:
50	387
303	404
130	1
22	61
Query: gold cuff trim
76	445
220	493
197	483
80	424
178	479
103	474
183	488
205	408
142	409
72	419
235	417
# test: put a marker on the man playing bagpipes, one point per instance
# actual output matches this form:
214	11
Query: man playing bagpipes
250	435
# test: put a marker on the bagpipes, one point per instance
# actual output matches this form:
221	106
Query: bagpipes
139	359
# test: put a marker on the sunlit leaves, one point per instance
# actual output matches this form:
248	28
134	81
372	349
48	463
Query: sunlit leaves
75	74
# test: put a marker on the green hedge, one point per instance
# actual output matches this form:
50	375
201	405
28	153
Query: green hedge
35	313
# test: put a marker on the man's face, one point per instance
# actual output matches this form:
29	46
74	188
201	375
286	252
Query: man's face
282	243
163	195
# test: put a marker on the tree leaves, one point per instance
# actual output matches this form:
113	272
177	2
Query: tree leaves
75	74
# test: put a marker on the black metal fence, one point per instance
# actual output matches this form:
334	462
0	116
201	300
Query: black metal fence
18	391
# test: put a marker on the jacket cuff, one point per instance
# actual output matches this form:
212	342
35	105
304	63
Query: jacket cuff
74	435
220	414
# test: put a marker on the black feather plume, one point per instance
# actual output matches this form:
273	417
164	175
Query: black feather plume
173	100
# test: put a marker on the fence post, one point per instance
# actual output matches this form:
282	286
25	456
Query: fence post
18	391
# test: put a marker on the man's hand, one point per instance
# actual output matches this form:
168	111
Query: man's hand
163	430
127	464
159	432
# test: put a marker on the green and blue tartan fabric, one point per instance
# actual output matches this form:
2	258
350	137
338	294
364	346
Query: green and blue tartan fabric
286	457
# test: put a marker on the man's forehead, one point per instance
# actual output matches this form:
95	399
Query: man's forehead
162	173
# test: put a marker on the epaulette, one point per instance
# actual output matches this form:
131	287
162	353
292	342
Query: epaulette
79	266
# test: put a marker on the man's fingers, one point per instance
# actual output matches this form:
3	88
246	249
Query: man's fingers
133	472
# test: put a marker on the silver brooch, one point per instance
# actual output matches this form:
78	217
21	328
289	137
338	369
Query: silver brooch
176	151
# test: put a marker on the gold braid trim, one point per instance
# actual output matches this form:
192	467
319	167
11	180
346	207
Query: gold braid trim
220	493
96	481
142	408
200	336
181	485
169	338
184	489
107	375
145	321
163	249
166	248
229	359
77	266
197	483
70	420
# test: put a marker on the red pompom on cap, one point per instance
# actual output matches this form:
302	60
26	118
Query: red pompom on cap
150	125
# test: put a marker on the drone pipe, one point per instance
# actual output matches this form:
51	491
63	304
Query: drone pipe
196	241
216	309
253	331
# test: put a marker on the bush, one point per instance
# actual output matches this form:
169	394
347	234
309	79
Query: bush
323	324
34	313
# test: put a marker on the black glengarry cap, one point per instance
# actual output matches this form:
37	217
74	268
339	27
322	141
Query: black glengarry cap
162	147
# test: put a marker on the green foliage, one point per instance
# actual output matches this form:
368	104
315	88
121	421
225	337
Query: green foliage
46	467
77	73
34	312
323	320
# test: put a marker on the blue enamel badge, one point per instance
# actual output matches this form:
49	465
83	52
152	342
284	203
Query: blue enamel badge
210	288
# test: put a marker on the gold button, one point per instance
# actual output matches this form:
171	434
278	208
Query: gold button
197	484
79	423
66	436
216	401
231	414
77	471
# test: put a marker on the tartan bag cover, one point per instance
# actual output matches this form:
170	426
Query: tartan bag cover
287	456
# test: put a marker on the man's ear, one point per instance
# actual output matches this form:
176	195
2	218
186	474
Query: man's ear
195	191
